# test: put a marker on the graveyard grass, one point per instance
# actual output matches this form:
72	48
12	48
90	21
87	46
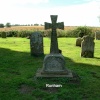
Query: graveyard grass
18	68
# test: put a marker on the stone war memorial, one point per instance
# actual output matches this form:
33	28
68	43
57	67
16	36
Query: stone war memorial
36	44
87	47
54	63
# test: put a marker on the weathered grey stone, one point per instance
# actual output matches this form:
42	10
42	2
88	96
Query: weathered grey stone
36	44
54	63
97	35
54	26
87	47
67	75
78	41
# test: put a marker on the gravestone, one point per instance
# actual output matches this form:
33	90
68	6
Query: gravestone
97	35
3	35
54	63
78	41
87	47
36	44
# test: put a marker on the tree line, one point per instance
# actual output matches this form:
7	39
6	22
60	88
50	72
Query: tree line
9	25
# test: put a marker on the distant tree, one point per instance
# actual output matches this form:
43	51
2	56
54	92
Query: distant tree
36	24
8	25
16	25
31	24
1	25
42	25
28	25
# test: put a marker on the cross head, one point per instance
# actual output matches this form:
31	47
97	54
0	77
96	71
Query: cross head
54	26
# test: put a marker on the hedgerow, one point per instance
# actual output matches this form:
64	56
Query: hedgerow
78	32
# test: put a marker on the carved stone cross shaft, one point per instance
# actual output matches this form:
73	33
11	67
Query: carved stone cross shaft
54	26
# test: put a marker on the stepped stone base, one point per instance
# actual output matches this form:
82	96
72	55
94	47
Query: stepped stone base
40	74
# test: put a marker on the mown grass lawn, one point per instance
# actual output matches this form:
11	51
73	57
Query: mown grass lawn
18	68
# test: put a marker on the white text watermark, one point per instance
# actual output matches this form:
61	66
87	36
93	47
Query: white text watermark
53	85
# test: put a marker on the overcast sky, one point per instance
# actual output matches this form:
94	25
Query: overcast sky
71	12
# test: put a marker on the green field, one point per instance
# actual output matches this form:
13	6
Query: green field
18	68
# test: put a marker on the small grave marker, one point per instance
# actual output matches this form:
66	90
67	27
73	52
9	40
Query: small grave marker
78	41
3	35
87	47
36	44
97	35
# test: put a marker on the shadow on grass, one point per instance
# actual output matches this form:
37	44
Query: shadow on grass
17	71
97	57
17	62
10	58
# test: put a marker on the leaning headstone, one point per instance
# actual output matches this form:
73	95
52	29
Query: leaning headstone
97	35
36	44
87	47
54	63
3	35
78	41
